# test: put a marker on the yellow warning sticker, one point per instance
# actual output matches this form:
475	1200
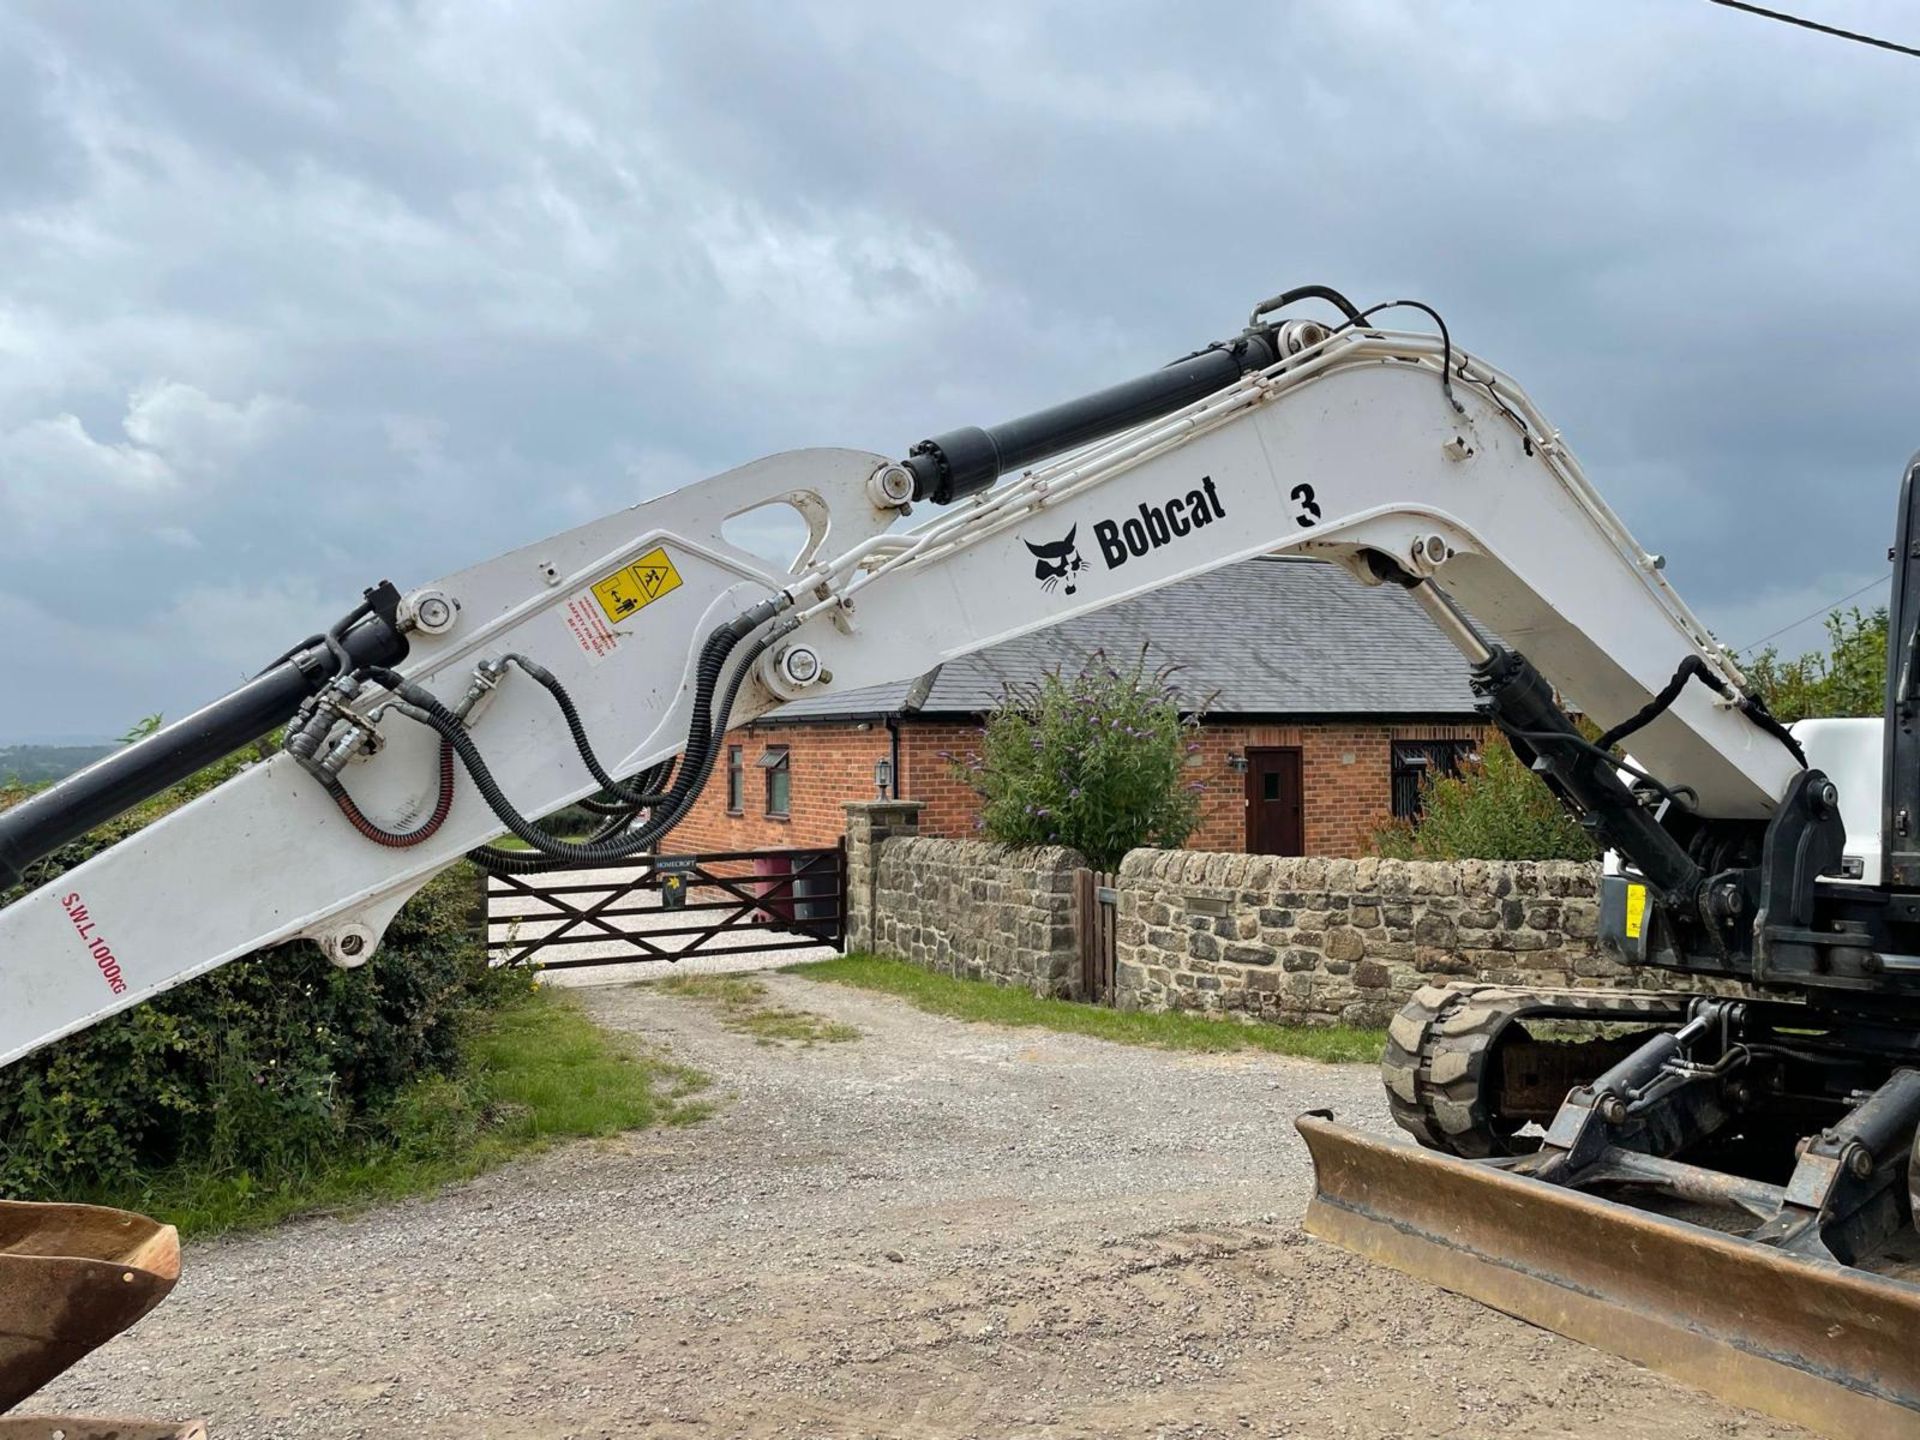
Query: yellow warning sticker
630	590
1636	910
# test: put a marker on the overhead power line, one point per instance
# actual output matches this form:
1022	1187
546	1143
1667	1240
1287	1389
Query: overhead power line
1826	609
1806	24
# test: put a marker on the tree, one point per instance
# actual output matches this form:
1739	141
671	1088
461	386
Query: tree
1494	809
1850	678
1097	763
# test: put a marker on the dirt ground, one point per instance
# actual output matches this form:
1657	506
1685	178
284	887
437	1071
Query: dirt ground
937	1230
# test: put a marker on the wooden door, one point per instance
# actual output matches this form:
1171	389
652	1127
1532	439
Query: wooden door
1275	811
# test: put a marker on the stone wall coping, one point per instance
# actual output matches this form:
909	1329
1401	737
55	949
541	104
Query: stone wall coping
902	849
1230	870
869	807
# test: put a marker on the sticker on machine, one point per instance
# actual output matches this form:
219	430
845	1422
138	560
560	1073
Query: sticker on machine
593	614
589	628
1636	910
627	592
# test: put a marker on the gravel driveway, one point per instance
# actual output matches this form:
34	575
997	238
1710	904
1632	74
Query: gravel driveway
937	1230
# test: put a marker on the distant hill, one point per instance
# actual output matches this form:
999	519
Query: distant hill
35	764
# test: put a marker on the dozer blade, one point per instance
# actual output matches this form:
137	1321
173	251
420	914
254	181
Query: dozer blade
71	1278
1832	1348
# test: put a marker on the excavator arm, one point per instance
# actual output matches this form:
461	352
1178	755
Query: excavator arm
608	661
1393	454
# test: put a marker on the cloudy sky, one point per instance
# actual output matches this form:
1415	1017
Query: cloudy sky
295	297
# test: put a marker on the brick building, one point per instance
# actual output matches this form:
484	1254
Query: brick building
1328	700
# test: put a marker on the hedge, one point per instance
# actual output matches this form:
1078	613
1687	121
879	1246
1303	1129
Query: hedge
262	1065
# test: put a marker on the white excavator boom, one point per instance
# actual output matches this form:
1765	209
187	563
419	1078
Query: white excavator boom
1349	447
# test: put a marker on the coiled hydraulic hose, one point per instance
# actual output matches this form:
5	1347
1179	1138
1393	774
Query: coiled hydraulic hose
401	839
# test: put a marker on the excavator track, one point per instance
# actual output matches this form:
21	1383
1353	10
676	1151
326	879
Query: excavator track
1444	1070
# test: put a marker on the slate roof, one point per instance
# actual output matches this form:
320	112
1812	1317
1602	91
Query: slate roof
1274	636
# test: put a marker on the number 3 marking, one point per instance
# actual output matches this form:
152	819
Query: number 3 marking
1309	508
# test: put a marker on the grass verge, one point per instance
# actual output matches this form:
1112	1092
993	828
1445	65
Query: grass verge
743	1008
995	1005
540	1070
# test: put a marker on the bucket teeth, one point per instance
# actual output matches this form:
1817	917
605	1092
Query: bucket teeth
1827	1346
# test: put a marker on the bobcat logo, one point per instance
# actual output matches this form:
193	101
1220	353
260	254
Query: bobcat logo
1056	562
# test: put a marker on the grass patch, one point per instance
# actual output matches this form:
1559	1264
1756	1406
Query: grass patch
743	1006
540	1070
803	1027
729	992
994	1005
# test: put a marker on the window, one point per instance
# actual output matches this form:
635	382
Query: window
779	779
1418	762
736	781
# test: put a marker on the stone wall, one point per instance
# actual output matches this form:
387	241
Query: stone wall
961	907
1312	941
870	824
978	911
1321	941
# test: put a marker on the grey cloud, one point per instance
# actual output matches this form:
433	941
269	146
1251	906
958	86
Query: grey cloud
488	271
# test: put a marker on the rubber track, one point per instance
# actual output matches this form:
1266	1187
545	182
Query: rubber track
1438	1047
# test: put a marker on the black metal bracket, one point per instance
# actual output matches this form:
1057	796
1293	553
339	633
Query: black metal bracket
1848	1193
1805	840
1657	1101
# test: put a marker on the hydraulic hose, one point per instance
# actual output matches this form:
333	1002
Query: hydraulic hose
648	783
618	818
608	785
401	839
1695	668
704	735
556	854
684	793
335	638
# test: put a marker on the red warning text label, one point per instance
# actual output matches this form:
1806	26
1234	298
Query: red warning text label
103	957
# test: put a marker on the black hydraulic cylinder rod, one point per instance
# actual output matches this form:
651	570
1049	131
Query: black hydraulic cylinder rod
111	786
1522	704
1642	1066
1886	1121
961	462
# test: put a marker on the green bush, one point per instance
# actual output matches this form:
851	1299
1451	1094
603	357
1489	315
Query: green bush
262	1066
1495	809
1097	763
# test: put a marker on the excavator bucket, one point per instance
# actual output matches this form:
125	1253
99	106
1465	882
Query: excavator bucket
71	1278
1830	1347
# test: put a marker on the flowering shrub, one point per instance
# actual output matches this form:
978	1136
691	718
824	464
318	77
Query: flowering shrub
1097	763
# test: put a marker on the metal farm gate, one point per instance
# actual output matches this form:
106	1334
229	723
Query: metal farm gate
669	907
